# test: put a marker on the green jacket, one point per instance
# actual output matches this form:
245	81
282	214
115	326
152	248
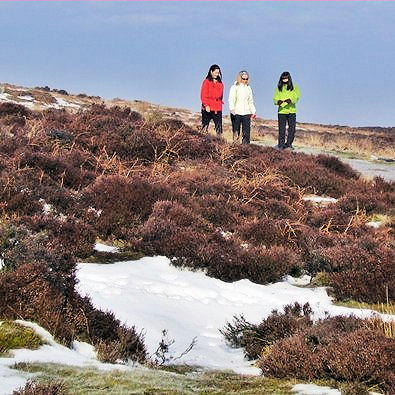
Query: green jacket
284	94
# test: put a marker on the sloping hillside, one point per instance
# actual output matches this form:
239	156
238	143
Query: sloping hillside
154	185
368	142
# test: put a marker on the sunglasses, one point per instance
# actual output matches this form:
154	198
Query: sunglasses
244	79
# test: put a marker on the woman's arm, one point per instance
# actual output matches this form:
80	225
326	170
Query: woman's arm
232	98
250	100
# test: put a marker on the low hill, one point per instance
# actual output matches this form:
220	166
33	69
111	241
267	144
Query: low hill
368	142
154	185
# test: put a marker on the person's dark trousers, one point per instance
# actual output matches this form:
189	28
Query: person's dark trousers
283	120
216	117
245	122
236	134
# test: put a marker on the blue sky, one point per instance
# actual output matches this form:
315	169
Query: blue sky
341	54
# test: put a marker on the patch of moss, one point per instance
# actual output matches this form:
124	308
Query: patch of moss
321	279
14	336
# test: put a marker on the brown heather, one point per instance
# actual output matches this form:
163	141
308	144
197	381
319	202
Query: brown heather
158	186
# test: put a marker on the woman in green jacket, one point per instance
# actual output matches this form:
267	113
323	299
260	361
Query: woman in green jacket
285	97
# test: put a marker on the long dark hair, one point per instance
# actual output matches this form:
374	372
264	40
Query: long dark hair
290	85
212	68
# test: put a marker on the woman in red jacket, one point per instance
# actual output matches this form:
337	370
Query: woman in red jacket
211	95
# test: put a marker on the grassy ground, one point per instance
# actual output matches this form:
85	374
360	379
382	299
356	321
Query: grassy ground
79	381
383	308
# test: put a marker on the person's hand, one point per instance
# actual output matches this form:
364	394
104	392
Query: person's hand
253	116
233	112
279	102
288	101
208	109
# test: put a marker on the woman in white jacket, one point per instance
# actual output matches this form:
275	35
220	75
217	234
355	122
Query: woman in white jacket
241	106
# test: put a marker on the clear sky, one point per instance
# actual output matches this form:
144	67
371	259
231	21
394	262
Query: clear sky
340	53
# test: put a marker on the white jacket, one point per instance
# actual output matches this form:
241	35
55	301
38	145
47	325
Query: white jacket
241	100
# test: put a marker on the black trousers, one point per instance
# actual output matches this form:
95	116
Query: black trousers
283	119
216	117
245	122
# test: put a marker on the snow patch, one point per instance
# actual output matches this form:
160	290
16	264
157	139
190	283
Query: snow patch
374	224
63	103
298	281
153	295
27	97
312	389
319	200
100	247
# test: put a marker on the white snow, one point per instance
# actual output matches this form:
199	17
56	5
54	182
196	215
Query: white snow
81	354
30	102
63	103
4	97
321	200
312	389
299	281
27	97
374	224
105	248
153	295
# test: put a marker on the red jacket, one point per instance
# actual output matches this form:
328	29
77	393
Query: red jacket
211	95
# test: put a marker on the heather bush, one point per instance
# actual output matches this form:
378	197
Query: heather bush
16	197
330	219
307	173
35	388
174	231
30	292
382	186
291	357
255	338
278	209
14	109
120	203
342	349
188	239
19	245
360	269
127	346
216	210
368	202
33	292
364	275
75	236
335	165
266	232
64	168
354	389
201	179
